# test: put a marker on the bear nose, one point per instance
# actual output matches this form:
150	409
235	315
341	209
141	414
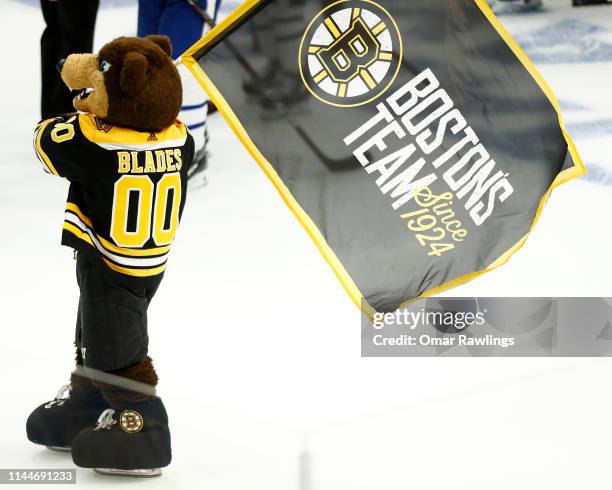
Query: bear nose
60	65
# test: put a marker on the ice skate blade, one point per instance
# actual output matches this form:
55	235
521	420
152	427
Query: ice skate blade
137	473
59	449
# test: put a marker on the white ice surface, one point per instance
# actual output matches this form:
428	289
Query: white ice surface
257	345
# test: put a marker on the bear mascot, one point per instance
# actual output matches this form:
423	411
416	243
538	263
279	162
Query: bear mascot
126	157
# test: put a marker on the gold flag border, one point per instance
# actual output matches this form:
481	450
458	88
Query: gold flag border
188	59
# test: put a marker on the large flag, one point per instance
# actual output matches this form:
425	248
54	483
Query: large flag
413	139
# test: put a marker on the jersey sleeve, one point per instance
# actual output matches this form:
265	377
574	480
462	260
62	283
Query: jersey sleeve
59	146
190	152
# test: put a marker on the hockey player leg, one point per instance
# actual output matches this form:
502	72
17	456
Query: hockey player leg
194	113
181	23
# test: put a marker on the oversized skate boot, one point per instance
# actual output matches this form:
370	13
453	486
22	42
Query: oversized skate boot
131	440
56	423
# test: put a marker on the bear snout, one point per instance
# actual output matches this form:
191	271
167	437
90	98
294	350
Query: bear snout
77	70
82	72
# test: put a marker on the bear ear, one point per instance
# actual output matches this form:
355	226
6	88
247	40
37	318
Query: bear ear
163	42
133	73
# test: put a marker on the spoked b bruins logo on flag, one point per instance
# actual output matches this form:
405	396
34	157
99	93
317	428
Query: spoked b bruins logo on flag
351	53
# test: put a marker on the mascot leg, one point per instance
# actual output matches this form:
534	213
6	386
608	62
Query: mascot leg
131	436
76	406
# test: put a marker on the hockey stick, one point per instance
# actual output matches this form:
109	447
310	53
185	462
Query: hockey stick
233	49
333	164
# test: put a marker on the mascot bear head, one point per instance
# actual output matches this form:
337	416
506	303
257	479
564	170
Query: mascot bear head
132	82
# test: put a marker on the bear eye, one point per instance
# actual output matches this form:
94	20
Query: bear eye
104	66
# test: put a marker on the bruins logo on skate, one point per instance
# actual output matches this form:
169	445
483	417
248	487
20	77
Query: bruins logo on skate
351	53
131	421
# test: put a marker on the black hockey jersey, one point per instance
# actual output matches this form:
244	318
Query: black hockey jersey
127	190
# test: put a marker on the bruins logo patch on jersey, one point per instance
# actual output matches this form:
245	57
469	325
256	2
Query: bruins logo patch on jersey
350	53
103	126
131	421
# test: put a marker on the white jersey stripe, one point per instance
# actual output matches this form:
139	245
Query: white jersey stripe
38	155
126	261
145	146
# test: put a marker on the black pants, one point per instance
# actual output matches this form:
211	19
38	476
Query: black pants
111	327
70	29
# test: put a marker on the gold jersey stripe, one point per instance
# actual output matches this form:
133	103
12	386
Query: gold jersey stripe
342	89
114	248
39	149
136	272
75	209
385	56
126	136
78	233
124	270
